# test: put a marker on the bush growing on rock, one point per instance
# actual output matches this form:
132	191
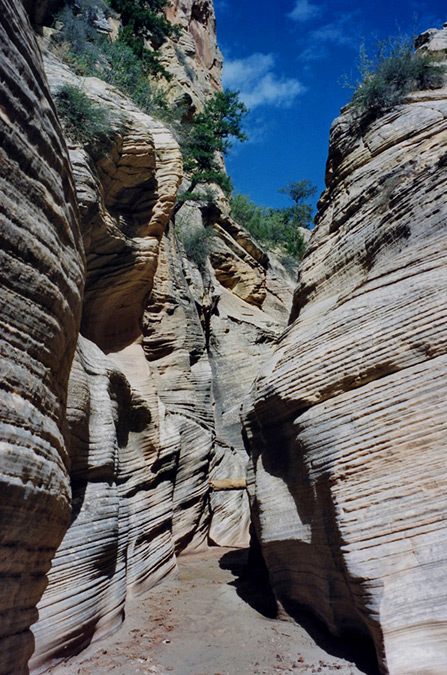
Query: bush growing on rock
395	71
123	62
83	120
141	22
144	20
197	244
77	39
125	71
212	132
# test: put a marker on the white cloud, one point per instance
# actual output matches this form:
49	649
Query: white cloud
305	11
258	84
338	32
221	5
343	32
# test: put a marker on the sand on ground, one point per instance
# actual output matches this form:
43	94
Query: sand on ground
212	620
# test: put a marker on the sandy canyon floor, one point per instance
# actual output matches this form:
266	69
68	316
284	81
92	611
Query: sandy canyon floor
212	620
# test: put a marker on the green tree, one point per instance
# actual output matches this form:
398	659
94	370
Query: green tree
297	216
277	228
300	214
212	132
144	20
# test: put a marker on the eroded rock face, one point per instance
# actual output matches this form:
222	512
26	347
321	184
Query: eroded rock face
120	538
205	342
41	272
154	401
347	421
193	58
119	541
154	392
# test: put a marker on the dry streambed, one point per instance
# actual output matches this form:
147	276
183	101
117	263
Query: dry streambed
212	621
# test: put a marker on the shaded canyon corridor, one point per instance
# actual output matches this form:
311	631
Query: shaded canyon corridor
158	405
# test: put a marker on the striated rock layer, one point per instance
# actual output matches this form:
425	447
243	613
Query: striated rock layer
347	422
205	344
41	273
129	449
119	541
149	427
193	57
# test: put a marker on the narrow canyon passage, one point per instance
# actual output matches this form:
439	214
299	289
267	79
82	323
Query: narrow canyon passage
154	341
212	621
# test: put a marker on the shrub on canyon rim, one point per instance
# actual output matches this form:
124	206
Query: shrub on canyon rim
142	23
278	228
395	71
125	63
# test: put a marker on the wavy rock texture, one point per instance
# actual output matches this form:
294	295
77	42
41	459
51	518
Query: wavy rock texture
147	426
119	541
347	423
41	274
205	344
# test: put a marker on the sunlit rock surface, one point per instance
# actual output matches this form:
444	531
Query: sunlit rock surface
149	425
41	274
119	541
193	57
347	422
167	350
205	345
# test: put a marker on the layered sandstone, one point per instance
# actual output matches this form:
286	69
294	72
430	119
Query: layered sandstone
347	423
205	344
151	416
42	275
120	540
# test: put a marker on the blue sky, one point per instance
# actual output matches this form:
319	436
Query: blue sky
287	59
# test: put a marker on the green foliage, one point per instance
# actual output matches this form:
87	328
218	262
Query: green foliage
83	121
141	21
79	38
125	71
188	196
300	214
395	71
197	244
211	132
89	53
274	228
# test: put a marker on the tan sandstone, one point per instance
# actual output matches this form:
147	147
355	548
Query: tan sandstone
347	423
41	270
148	426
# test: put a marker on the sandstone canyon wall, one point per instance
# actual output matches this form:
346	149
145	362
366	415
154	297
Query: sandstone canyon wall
193	58
347	421
123	453
119	541
42	274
